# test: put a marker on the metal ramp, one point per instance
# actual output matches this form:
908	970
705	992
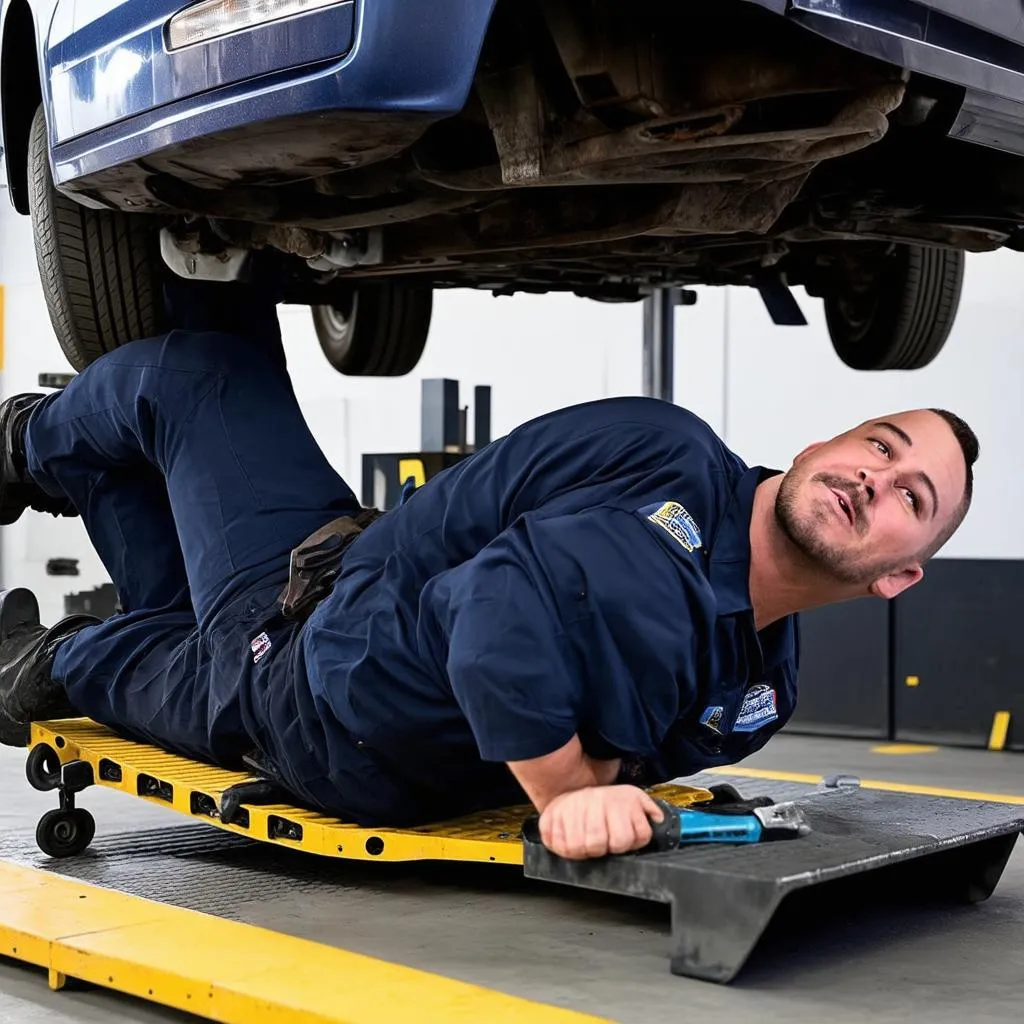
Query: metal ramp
723	897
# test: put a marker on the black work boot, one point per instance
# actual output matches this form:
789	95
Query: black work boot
27	649
17	489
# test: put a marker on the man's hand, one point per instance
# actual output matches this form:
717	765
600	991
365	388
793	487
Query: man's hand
598	820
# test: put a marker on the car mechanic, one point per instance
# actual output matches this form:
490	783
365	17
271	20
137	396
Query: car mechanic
604	599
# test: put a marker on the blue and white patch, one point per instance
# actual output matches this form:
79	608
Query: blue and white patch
712	718
757	710
676	522
259	647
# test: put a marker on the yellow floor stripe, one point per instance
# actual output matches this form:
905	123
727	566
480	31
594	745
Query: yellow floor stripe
225	970
891	787
903	748
1000	728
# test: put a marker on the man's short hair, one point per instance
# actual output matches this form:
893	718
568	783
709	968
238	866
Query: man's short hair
970	448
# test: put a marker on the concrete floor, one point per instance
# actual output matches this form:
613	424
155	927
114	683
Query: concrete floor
594	953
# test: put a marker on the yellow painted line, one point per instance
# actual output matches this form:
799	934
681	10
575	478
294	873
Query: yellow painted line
903	748
882	784
1000	728
225	970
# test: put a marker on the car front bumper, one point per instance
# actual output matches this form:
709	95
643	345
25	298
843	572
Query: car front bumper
401	56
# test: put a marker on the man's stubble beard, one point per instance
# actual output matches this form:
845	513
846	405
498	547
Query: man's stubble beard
804	533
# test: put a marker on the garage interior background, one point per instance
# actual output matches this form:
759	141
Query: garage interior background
936	665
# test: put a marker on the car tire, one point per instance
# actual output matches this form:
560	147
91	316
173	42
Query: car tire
377	330
894	310
100	269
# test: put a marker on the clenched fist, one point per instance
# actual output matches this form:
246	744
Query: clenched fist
598	820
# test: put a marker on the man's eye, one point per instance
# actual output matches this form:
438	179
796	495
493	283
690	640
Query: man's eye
911	497
881	446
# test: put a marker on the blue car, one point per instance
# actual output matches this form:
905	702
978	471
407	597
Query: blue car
362	153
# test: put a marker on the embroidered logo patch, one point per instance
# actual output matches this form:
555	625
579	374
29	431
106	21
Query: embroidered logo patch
712	718
677	522
259	647
757	710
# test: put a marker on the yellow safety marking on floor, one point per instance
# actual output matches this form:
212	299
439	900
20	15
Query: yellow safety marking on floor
229	971
195	790
903	748
1000	729
881	784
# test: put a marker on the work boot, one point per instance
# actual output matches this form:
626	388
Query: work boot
27	650
18	491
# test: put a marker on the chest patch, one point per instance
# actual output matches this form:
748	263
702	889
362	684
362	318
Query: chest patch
676	522
712	718
757	710
259	647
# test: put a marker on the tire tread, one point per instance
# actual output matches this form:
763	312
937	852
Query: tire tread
99	268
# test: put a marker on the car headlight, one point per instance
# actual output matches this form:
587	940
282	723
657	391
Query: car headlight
213	18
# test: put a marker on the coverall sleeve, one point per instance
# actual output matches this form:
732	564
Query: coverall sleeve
564	625
511	667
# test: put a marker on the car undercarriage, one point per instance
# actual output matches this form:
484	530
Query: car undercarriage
605	148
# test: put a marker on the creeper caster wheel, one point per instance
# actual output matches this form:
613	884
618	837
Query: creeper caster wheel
42	768
65	832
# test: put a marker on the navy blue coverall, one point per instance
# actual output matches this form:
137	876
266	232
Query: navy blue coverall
587	574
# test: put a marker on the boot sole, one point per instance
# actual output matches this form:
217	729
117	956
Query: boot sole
18	607
14	734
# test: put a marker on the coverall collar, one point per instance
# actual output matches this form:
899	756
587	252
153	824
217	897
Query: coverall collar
729	569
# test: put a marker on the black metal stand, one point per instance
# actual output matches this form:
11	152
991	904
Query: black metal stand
723	896
660	338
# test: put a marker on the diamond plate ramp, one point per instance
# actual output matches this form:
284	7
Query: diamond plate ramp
723	897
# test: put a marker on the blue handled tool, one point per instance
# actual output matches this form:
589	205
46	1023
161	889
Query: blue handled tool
728	823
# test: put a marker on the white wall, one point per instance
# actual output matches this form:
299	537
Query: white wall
769	390
537	353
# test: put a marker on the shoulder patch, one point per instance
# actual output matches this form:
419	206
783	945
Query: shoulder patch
676	522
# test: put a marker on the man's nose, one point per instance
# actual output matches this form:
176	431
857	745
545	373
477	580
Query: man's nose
874	480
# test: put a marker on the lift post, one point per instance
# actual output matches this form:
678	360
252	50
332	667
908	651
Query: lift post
660	338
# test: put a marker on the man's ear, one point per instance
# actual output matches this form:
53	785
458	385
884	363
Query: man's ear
895	583
807	451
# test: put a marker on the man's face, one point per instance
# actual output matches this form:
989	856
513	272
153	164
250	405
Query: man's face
863	505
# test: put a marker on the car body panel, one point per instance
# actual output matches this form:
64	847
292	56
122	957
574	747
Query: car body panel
924	38
111	67
914	18
416	56
1001	17
979	46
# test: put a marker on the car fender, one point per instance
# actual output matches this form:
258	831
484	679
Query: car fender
21	85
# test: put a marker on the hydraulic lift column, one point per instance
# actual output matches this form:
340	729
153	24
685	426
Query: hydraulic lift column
660	339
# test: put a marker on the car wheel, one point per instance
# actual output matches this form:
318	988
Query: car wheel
376	330
100	269
893	309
